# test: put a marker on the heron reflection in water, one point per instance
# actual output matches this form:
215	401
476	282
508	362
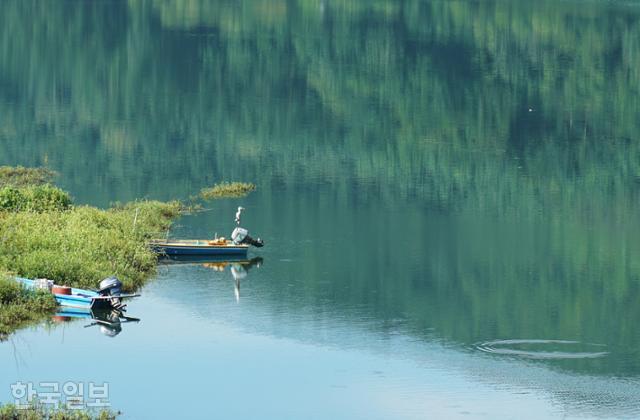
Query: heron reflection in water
239	270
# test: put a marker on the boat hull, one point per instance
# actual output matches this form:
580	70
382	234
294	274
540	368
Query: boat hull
198	247
201	259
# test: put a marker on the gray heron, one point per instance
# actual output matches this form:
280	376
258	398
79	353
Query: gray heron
238	215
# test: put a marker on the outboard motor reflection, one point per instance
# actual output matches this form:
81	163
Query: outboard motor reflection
110	322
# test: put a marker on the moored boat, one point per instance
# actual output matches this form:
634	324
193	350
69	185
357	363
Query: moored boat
108	296
238	245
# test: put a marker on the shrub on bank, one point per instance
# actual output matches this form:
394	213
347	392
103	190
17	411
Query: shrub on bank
34	198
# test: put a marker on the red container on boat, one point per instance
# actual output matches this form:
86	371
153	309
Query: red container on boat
61	290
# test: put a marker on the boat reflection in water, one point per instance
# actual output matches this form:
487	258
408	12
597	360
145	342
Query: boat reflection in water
239	267
109	321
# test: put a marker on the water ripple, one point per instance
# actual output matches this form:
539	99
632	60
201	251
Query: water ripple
542	349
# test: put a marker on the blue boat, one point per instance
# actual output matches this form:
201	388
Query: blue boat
84	299
198	247
237	246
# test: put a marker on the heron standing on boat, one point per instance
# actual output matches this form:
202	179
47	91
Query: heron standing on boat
238	215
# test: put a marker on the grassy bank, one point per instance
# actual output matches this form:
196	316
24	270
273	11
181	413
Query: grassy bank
10	412
43	235
80	246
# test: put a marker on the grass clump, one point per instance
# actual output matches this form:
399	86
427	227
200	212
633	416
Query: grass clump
227	190
35	412
18	176
19	306
34	198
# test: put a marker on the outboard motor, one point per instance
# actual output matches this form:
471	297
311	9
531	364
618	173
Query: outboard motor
241	236
111	286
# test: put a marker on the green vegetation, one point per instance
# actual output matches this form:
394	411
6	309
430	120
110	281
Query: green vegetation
83	245
11	412
19	307
38	198
28	189
227	190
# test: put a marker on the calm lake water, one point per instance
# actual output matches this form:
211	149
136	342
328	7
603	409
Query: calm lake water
448	191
